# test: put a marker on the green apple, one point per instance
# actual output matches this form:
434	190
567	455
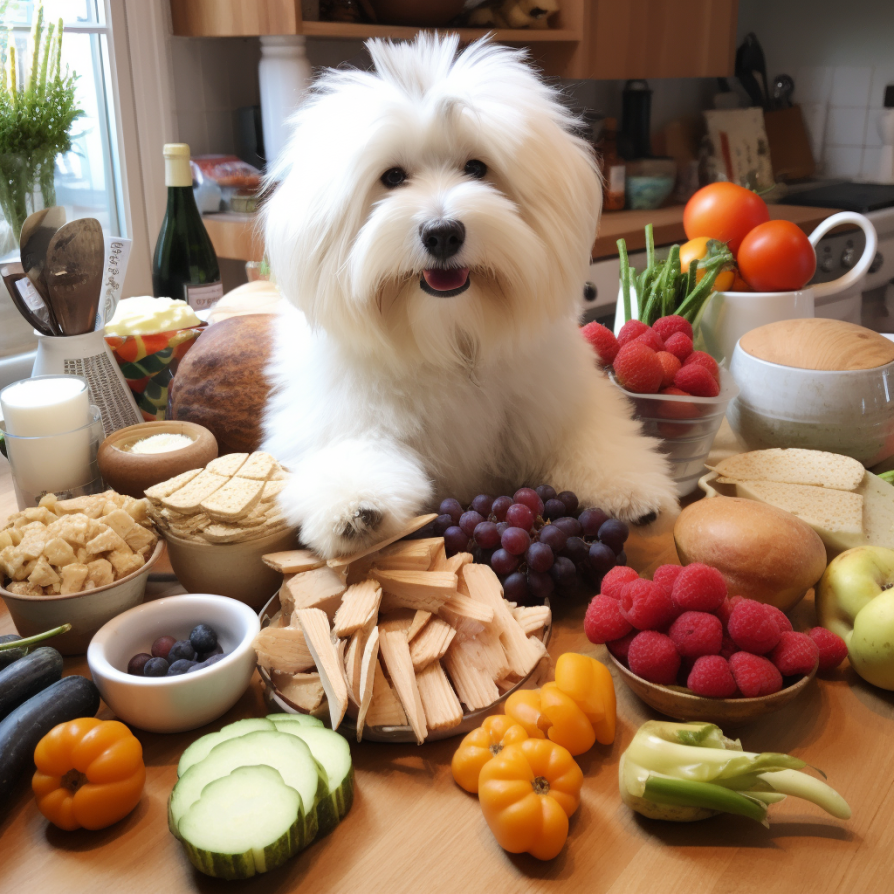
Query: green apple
855	599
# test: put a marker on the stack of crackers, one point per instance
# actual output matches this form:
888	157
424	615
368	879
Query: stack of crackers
397	635
233	499
61	547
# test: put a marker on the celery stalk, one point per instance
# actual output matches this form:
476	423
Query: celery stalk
625	280
800	785
705	795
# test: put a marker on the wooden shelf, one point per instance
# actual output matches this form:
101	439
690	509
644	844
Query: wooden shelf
346	31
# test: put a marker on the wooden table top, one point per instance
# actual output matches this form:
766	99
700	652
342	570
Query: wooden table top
411	829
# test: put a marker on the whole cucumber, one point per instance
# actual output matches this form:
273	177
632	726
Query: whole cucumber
27	677
67	699
8	656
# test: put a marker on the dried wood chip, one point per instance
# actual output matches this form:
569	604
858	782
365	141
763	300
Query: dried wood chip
368	664
396	652
384	708
454	563
405	555
439	701
293	561
474	685
283	649
359	606
318	588
411	527
358	571
302	691
532	618
352	659
467	607
420	619
315	625
466	628
439	557
431	644
419	590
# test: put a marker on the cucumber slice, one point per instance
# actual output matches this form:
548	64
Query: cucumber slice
333	753
301	719
201	748
247	822
287	754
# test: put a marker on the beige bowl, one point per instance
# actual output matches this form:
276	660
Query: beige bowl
725	712
86	612
132	473
230	569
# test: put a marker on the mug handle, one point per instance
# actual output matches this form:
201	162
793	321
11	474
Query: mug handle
821	290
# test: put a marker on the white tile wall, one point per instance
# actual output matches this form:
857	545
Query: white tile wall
841	106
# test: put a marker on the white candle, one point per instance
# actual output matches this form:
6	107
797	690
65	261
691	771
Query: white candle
50	415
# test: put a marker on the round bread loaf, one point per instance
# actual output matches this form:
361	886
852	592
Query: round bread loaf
763	553
221	382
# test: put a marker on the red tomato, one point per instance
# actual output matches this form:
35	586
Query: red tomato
725	212
776	257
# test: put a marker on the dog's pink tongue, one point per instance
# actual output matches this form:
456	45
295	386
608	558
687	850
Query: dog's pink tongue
445	280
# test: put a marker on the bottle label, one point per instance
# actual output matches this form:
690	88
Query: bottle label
616	178
203	297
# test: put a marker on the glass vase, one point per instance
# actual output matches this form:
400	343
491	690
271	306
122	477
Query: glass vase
26	185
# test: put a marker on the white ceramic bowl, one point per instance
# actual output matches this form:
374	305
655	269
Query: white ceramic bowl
848	411
188	701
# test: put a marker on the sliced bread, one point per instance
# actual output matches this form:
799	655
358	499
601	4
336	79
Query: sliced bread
794	465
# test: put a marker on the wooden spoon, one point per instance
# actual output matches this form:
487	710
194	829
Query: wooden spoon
37	231
74	268
35	312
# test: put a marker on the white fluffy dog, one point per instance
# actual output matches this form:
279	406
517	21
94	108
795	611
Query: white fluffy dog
432	227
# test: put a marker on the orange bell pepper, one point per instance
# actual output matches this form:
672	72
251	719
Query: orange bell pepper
90	773
523	706
590	684
527	792
480	745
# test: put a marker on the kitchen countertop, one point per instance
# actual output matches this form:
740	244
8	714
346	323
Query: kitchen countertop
411	829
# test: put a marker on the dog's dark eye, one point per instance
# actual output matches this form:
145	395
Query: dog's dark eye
476	169
394	177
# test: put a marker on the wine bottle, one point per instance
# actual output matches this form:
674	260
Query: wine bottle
185	265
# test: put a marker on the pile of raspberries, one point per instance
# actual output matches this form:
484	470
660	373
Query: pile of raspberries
681	627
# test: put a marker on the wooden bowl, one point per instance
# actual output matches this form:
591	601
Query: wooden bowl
132	473
725	712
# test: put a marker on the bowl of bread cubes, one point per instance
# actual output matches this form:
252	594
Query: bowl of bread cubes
80	561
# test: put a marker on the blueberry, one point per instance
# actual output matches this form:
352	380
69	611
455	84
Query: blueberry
203	638
206	663
182	649
155	667
180	666
204	656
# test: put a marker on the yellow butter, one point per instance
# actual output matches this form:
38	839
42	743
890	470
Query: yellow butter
145	315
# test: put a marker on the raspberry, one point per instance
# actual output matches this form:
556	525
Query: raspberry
671	324
710	676
781	618
666	575
603	620
753	628
680	345
620	647
638	368
699	588
795	653
726	609
696	380
671	367
700	358
630	330
654	657
754	675
696	634
647	605
728	647
602	340
832	648
651	339
614	582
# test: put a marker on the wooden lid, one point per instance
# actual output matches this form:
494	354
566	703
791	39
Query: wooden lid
818	344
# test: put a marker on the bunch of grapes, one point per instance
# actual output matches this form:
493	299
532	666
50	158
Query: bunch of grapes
537	541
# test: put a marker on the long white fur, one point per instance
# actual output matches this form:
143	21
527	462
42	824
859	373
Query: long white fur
387	399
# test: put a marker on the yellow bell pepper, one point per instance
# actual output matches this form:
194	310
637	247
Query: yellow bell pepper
90	773
523	706
527	792
700	249
480	745
590	684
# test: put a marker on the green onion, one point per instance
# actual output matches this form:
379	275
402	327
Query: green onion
625	281
703	795
38	637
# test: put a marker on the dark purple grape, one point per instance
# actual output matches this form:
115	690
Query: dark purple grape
528	497
487	535
203	638
520	516
181	649
455	541
545	492
570	501
571	526
155	667
442	523
503	562
614	533
501	504
591	520
204	656
539	557
553	537
576	550
515	541
540	584
470	520
206	663
621	558
482	504
503	526
563	572
424	532
162	646
180	666
515	588
451	507
602	558
553	509
483	556
137	663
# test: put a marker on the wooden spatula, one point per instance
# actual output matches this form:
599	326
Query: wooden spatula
75	260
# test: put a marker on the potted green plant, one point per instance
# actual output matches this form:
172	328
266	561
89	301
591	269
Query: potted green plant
37	108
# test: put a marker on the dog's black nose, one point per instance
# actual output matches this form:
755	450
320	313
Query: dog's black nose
442	238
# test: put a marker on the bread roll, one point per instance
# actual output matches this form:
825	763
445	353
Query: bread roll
762	552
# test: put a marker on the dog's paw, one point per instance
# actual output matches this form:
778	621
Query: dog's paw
360	523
